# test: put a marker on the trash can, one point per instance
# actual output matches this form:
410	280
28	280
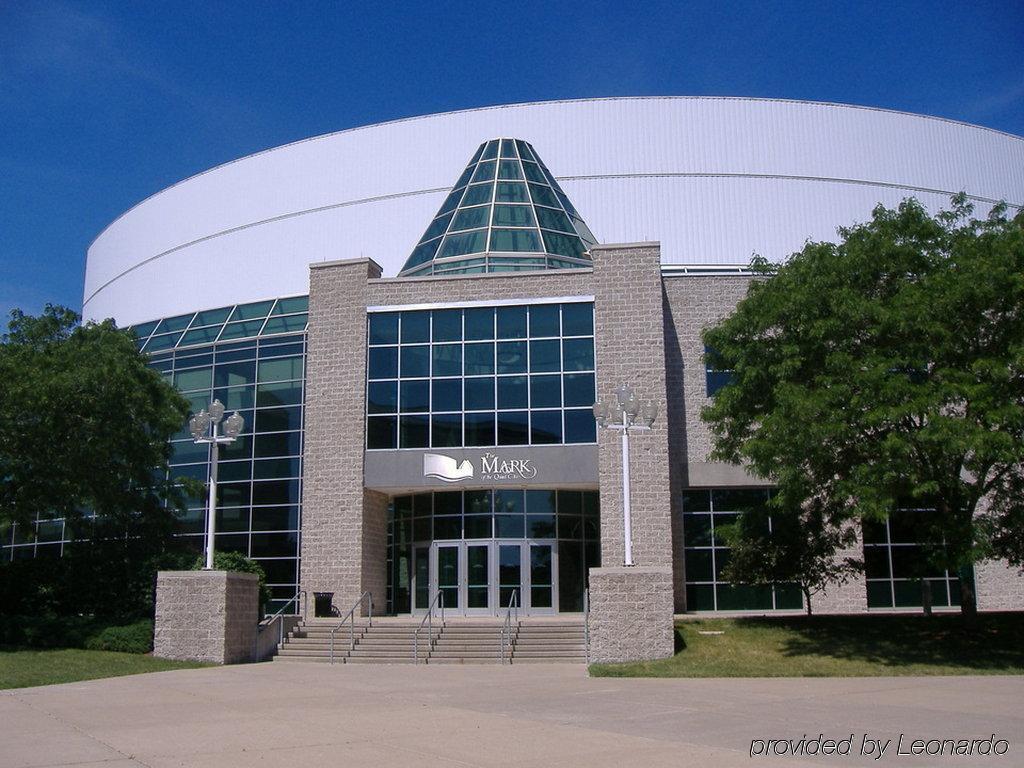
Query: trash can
322	603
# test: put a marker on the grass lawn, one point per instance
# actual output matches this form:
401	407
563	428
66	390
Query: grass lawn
24	667
838	646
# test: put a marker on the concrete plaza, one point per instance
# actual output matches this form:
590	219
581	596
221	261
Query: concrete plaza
545	715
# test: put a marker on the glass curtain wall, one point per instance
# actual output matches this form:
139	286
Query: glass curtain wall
705	513
481	376
256	366
895	563
260	474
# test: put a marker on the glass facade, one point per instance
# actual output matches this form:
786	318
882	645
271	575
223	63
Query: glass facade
470	376
895	563
569	519
260	318
505	213
706	554
45	538
257	368
481	376
260	474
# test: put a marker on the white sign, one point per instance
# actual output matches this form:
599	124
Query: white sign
492	467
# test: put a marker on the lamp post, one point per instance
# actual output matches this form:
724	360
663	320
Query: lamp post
204	428
626	414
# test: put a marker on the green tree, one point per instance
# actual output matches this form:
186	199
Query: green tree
84	425
883	368
796	548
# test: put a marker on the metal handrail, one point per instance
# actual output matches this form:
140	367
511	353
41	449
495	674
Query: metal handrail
305	605
429	621
506	627
586	622
279	615
351	615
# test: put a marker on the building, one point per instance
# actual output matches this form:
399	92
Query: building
416	317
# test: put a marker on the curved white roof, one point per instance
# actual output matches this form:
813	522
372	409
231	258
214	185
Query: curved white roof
714	179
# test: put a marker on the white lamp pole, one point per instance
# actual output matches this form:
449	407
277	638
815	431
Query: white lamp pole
630	415
204	429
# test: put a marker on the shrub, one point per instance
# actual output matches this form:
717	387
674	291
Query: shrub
47	631
113	579
130	638
76	632
235	561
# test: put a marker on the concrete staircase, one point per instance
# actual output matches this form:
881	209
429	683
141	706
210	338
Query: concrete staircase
389	640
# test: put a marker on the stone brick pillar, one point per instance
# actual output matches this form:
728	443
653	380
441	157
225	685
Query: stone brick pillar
631	608
206	616
374	548
344	527
630	614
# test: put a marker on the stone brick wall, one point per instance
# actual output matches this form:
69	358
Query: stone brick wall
342	535
483	287
694	303
206	616
631	614
630	347
675	422
851	597
999	586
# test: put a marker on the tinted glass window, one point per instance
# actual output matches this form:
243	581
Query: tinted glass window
447	325
447	395
382	363
511	322
510	192
415	361
578	319
544	320
515	240
479	323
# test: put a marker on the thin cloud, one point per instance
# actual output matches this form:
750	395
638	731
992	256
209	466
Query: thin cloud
997	102
62	41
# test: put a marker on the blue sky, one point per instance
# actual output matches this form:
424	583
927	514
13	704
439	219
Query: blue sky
105	103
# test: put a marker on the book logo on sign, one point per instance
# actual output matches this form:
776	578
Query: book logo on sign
446	468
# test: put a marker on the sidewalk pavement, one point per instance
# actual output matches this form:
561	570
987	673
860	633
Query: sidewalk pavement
306	715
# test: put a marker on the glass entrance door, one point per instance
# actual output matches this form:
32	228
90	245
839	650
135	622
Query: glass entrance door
450	575
421	591
510	575
479	578
542	571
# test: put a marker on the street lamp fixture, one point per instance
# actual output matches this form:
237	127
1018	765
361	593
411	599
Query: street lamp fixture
626	414
205	428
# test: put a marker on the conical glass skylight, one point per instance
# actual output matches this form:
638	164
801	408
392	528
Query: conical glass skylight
505	213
